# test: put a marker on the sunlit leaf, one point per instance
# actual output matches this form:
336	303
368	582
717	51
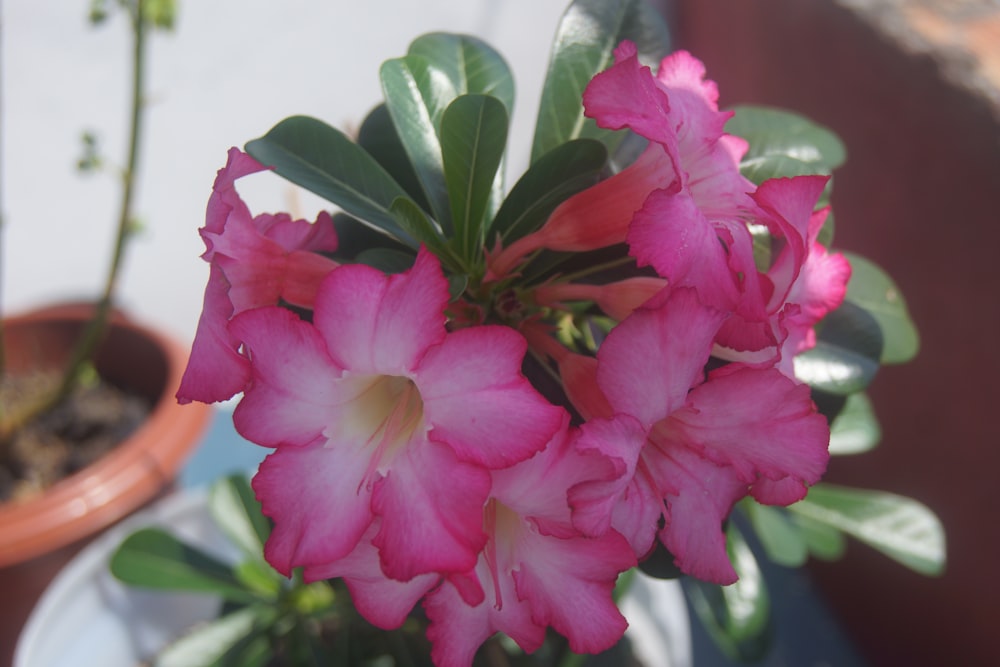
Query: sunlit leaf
236	511
585	40
780	537
845	358
473	139
236	638
472	65
416	95
777	132
323	160
855	429
823	541
737	616
900	527
153	558
872	289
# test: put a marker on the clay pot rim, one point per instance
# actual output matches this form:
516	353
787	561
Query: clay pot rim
121	481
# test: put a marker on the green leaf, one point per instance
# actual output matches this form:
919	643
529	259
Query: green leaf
472	65
416	223
321	159
236	512
473	139
899	527
737	617
846	355
153	558
585	40
378	136
548	182
855	429
416	95
776	132
385	260
871	288
823	541
237	638
780	537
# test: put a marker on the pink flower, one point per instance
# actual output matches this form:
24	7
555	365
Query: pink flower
803	283
255	261
690	445
377	412
536	570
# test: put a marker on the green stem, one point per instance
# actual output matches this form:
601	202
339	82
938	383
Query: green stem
95	328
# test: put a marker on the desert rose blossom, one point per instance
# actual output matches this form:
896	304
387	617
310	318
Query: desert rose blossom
254	261
536	569
691	445
370	407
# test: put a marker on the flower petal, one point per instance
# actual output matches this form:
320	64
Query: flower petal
648	363
216	370
375	323
479	403
319	507
427	525
294	386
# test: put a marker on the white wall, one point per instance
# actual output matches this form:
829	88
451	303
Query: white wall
231	70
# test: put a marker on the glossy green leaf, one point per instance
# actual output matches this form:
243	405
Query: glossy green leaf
378	136
549	181
737	617
472	65
323	160
416	95
900	527
585	40
846	355
414	220
871	288
777	132
780	537
776	165
855	429
234	639
153	558
823	541
236	511
473	140
386	260
257	575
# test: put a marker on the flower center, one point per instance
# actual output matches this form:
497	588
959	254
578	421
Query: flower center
392	412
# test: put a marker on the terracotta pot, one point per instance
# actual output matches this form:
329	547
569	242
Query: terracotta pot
38	536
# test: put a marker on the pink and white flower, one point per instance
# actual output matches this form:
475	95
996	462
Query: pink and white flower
691	445
255	261
377	412
536	570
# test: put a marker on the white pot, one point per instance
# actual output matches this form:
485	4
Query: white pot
87	617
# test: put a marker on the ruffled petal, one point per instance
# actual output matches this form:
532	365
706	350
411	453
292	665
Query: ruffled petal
375	323
479	403
216	371
699	496
431	507
319	506
384	602
295	383
648	363
757	421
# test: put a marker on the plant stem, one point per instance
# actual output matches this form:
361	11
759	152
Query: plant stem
95	328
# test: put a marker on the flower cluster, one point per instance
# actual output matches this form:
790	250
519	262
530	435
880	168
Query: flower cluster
502	426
